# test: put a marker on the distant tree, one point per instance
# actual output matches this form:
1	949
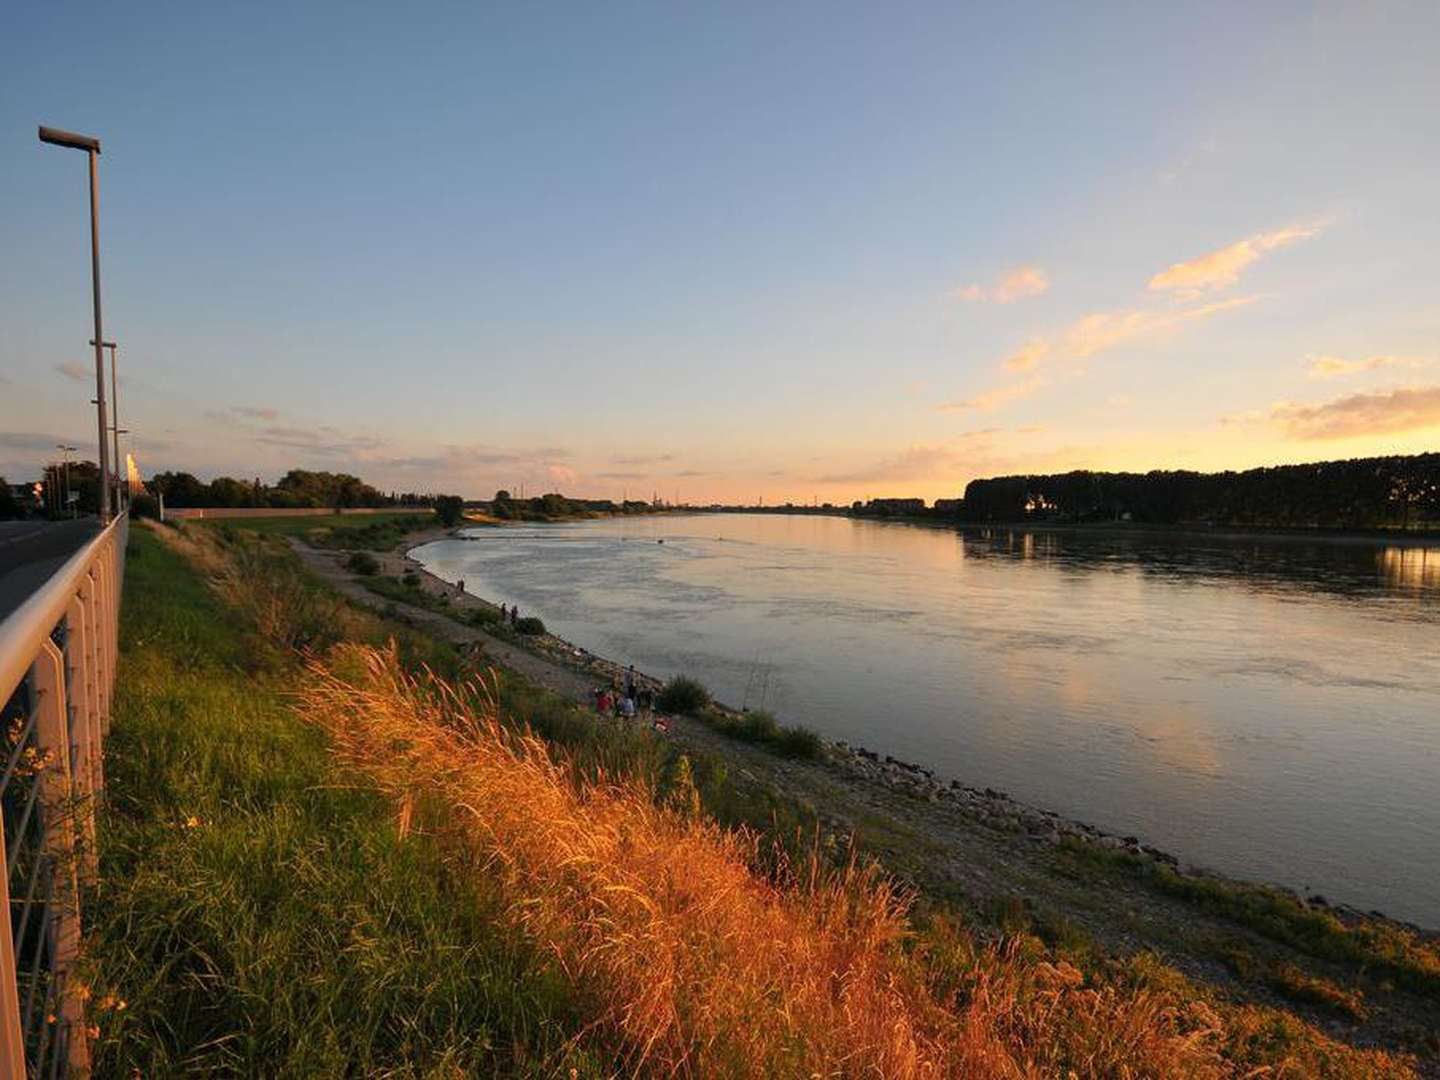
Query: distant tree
450	509
9	505
227	491
181	489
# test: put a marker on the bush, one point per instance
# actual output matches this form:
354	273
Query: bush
362	562
683	694
144	506
412	579
798	742
758	726
450	509
530	625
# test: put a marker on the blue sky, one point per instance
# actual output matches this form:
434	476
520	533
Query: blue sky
820	251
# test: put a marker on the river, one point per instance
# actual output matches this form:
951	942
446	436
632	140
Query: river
1267	707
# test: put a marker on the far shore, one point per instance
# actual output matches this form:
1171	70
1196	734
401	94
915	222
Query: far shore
1405	538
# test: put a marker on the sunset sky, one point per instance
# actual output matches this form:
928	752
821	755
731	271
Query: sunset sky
790	251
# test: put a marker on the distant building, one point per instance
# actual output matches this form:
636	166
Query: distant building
948	506
895	506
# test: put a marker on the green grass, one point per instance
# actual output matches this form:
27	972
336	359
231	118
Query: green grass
1372	946
286	930
369	532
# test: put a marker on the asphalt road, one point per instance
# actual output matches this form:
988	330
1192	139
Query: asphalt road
30	551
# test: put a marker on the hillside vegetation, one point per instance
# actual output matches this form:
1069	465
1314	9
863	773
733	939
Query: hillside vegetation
332	849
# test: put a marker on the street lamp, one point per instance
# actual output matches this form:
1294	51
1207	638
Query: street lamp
114	419
56	137
65	452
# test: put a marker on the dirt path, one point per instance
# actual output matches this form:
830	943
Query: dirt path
983	850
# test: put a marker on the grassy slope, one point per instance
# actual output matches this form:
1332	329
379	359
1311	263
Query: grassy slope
372	532
260	917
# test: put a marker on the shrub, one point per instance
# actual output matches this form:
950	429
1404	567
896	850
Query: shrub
683	694
450	509
362	562
798	742
144	506
758	726
412	579
485	616
530	625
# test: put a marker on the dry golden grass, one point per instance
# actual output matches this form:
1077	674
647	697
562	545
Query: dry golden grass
694	964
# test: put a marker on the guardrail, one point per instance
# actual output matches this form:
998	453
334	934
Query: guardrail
57	671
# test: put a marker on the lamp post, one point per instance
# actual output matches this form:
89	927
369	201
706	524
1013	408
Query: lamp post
122	474
114	421
56	137
65	452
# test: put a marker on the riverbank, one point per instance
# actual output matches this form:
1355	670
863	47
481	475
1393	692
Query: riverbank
1008	863
280	792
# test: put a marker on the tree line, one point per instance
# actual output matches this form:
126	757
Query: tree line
297	488
1400	491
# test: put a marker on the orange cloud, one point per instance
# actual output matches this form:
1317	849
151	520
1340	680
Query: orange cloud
1028	357
1334	367
78	372
1406	409
1220	268
993	399
1107	329
1014	285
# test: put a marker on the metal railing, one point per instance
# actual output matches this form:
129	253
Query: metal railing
58	652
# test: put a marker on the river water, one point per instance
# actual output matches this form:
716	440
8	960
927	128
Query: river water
1266	707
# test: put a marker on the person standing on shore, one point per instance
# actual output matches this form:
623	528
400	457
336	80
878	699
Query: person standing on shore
630	681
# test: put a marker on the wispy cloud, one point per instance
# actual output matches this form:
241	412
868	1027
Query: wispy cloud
254	412
1221	268
1103	330
923	462
243	413
1386	413
1335	367
324	440
1086	337
34	442
913	463
643	459
621	475
991	400
1027	357
1013	285
78	372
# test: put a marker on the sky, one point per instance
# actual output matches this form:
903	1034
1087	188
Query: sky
791	252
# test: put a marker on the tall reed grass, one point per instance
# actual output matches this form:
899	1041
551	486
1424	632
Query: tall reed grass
692	963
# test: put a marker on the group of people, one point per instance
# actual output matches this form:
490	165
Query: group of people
627	699
512	616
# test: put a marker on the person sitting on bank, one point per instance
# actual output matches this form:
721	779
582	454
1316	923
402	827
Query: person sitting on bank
627	707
